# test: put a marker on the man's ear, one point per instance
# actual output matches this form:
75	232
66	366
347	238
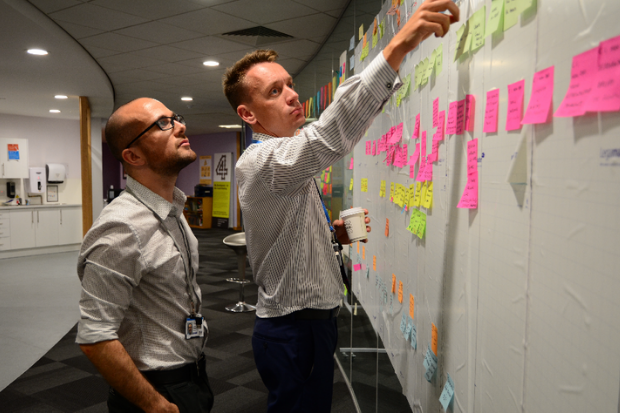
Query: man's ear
133	157
246	114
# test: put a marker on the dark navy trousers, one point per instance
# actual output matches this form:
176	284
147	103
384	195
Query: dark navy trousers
295	359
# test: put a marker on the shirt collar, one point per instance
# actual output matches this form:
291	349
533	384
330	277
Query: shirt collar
159	205
262	137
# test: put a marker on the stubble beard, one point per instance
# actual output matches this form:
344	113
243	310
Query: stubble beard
173	165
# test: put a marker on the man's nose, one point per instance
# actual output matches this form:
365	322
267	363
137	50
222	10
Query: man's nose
292	96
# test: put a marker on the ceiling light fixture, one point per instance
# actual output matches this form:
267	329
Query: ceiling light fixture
38	52
211	63
60	97
230	126
54	111
187	99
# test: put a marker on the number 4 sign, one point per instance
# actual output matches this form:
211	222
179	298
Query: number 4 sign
223	167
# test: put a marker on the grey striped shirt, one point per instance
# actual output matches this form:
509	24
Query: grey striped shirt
286	231
134	286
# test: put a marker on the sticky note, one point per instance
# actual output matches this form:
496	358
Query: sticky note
423	145
393	283
421	224
413	336
424	78
439	60
434	338
408	330
434	151
382	189
416	155
416	128
368	148
375	39
403	323
351	164
392	191
361	32
452	115
387	227
470	112
435	112
515	105
460	117
364	184
428	199
374	151
417	76
447	394
365	51
374	263
430	66
539	107
605	96
400	292
430	364
363	252
496	17
417	199
511	13
441	127
358	247
583	79
476	23
352	43
357	267
491	111
351	185
469	199
461	40
411	306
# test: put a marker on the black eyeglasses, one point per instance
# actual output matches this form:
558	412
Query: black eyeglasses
165	123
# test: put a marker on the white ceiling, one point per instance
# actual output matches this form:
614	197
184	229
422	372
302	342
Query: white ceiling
145	48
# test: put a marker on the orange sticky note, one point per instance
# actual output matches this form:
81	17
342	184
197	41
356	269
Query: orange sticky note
364	43
400	292
434	339
411	305
363	252
374	263
387	227
393	283
358	247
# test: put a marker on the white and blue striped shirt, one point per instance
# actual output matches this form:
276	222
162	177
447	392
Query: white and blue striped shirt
288	239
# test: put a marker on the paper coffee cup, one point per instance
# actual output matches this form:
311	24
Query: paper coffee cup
354	222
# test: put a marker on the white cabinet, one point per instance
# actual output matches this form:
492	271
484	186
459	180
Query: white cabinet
48	225
5	232
23	229
11	168
70	226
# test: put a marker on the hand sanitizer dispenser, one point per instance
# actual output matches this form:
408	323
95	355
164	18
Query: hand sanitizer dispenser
36	184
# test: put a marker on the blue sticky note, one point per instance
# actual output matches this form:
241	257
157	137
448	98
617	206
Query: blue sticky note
413	336
408	331
403	323
14	155
447	394
352	62
430	364
352	43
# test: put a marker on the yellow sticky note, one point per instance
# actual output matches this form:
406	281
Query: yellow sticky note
434	338
361	32
417	200
382	189
423	193
351	185
411	195
411	305
428	199
391	191
400	292
364	184
511	13
496	17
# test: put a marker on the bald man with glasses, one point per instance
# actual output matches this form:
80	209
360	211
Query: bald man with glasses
140	321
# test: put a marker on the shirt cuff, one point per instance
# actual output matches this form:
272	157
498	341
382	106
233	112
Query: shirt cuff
381	79
91	332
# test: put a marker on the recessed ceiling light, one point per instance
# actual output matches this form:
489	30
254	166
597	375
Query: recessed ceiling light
211	63
187	98
54	111
60	97
38	52
230	126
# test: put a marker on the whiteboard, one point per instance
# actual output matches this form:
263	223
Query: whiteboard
524	290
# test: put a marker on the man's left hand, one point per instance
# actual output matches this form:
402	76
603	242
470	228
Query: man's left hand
341	231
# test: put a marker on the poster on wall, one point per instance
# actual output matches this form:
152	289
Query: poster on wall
206	163
222	177
13	149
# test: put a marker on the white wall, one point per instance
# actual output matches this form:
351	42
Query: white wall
96	124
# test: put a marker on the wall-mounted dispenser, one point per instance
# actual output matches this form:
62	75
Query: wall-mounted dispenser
56	173
36	180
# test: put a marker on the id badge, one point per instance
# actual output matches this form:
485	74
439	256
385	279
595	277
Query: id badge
194	327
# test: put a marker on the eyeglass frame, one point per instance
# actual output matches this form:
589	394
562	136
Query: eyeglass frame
175	117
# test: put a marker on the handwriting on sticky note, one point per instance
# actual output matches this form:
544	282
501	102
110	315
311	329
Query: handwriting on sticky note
470	112
411	306
452	114
496	17
582	82
400	292
428	199
515	105
491	111
469	199
430	364
605	96
387	227
364	184
476	22
435	112
511	13
413	335
539	107
393	283
447	394
416	128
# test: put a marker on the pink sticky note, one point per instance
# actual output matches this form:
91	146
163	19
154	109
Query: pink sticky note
416	155
396	155
469	199
491	111
351	165
452	109
373	151
357	267
435	112
421	173
441	127
412	171
541	99
460	117
403	156
368	148
472	157
325	189
435	151
582	82
396	133
605	96
416	129
428	171
470	111
423	144
515	105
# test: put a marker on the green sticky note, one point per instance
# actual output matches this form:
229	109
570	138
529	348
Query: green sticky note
417	75
439	60
375	39
421	225
381	28
430	67
477	29
511	13
461	39
406	86
468	40
524	5
496	17
364	53
424	79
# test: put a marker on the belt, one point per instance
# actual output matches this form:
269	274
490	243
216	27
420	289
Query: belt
313	314
187	372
